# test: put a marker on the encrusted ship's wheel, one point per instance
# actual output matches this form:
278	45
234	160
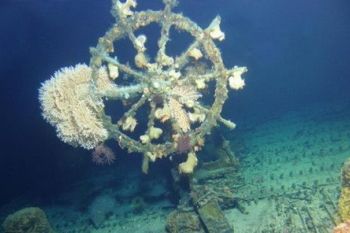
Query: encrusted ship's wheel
173	95
172	88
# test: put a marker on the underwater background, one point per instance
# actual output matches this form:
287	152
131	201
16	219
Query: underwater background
297	93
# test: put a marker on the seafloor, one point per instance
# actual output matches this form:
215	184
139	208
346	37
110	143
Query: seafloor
288	181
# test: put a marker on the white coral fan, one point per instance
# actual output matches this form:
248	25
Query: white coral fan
235	81
68	103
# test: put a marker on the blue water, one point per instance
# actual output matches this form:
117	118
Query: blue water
297	53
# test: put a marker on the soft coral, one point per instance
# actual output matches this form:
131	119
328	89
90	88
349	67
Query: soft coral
342	227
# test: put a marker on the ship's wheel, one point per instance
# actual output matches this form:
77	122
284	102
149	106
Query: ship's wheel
173	89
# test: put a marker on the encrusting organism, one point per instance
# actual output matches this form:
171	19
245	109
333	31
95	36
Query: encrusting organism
170	88
102	155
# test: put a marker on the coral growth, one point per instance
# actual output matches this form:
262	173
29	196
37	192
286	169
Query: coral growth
103	155
125	8
235	81
184	222
183	144
215	31
179	115
195	53
188	166
342	227
344	199
346	174
27	220
100	208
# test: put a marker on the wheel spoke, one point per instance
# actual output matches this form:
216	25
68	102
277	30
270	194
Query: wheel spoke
229	124
183	59
151	116
205	77
133	109
125	68
162	42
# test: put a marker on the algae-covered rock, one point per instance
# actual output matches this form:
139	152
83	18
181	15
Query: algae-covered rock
346	174
206	205
213	218
343	206
342	228
27	220
344	199
184	222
